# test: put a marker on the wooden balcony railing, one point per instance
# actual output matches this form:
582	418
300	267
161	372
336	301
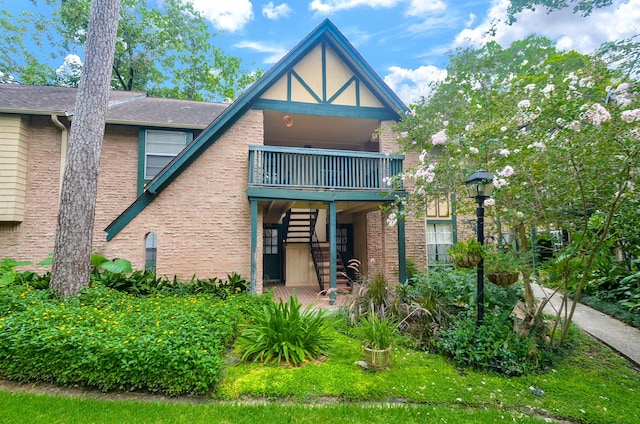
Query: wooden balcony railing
290	167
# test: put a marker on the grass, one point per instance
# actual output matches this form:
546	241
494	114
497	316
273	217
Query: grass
593	385
20	408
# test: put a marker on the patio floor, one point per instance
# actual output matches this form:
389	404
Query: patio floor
308	295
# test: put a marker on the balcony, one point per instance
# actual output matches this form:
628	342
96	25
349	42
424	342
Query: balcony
320	169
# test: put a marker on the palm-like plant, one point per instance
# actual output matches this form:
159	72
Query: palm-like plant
281	332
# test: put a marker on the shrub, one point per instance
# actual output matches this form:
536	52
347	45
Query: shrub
492	346
456	288
281	332
114	341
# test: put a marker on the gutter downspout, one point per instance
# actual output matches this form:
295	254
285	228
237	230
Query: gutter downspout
64	141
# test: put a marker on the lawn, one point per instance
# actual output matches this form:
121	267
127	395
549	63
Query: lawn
591	385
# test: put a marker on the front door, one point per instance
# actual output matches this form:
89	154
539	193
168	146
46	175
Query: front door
344	245
272	253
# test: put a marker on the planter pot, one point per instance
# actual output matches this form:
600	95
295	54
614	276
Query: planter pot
378	359
467	261
503	279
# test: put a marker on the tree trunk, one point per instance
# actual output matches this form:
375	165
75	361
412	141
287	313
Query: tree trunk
72	252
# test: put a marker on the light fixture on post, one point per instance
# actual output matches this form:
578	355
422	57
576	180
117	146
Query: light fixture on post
480	187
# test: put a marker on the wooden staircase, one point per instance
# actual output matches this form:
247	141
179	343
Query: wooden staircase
299	227
342	282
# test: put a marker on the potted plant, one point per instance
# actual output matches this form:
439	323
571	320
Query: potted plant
466	254
377	337
503	265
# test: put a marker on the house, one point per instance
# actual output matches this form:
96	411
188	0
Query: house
285	184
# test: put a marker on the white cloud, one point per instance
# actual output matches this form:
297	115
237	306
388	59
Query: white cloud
569	30
412	84
273	12
328	7
229	16
470	20
72	66
414	7
425	7
275	52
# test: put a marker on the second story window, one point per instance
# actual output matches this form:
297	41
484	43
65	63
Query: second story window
160	148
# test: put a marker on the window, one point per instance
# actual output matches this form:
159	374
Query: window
439	240
341	239
160	148
270	241
151	252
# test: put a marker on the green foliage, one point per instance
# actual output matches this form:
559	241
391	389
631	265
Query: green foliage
492	346
461	249
377	333
558	131
8	273
165	50
371	295
504	259
280	332
112	341
456	288
583	7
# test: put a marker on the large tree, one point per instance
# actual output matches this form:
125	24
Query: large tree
560	132
72	252
166	50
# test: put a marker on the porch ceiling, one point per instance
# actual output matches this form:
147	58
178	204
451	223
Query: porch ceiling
325	132
281	207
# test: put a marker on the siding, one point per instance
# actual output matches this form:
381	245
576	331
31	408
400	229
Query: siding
13	167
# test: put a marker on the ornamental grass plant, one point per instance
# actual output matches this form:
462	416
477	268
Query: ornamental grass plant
283	333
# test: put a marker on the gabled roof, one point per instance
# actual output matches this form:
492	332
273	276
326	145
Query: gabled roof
325	32
125	107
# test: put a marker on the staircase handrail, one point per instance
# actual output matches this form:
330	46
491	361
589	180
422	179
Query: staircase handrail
318	258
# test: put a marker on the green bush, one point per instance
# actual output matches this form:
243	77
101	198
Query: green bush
281	332
492	346
456	288
113	341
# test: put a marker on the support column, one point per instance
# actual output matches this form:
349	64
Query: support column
402	251
333	252
254	247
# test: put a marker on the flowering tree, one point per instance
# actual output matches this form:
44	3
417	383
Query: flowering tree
560	132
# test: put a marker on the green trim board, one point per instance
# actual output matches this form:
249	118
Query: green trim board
254	248
333	252
402	251
275	194
327	33
326	109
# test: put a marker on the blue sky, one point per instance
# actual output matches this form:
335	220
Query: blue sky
405	41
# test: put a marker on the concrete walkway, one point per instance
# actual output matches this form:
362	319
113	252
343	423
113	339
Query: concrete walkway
621	337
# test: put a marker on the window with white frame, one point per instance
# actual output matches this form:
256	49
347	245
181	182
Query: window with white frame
439	240
160	148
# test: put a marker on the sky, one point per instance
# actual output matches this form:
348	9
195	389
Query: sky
407	42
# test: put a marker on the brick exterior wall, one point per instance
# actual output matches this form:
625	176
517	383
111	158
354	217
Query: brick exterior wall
415	234
33	239
203	218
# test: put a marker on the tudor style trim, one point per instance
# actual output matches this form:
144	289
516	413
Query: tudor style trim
325	34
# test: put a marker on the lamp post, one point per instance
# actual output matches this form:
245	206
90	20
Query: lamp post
480	186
